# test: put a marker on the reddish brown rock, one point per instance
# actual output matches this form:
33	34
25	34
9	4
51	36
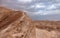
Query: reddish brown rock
15	24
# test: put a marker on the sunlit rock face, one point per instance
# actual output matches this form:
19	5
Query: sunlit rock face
17	24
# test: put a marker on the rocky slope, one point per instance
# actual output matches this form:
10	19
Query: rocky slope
17	24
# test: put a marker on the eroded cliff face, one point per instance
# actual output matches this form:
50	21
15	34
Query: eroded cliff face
17	24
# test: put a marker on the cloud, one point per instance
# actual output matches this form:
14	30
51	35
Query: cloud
25	1
41	12
57	1
35	7
39	5
50	7
53	6
57	4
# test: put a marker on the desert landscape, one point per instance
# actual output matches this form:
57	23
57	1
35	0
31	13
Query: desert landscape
17	24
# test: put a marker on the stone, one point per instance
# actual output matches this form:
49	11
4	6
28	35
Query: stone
14	24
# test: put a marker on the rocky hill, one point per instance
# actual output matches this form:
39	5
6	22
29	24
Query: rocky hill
17	24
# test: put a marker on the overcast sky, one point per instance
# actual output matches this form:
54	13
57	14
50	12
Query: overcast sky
36	8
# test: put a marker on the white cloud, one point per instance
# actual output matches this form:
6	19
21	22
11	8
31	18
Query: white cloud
39	5
51	7
41	12
57	4
25	1
57	0
38	13
52	12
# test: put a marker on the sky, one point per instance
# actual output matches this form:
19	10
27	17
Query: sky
36	9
